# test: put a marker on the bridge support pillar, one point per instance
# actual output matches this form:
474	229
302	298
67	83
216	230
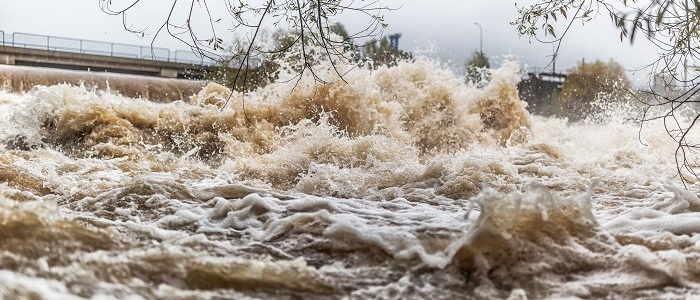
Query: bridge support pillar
7	59
168	73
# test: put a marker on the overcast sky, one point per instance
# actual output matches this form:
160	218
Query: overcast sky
439	28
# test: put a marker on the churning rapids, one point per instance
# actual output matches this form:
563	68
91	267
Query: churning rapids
403	183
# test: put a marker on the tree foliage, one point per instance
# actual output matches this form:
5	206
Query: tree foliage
373	53
381	53
310	21
590	82
476	67
673	26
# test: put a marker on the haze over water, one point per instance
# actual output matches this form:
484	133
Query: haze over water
404	183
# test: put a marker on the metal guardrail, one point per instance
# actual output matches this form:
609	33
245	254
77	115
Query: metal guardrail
55	43
189	57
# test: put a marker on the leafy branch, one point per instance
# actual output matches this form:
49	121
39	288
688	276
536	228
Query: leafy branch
672	26
311	20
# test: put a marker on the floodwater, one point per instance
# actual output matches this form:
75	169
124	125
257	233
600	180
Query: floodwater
403	183
22	79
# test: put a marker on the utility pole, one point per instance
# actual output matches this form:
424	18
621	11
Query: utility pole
481	38
554	61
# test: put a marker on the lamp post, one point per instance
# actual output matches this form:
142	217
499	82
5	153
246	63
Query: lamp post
481	38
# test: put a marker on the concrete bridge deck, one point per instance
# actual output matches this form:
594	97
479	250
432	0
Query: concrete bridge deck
74	54
90	62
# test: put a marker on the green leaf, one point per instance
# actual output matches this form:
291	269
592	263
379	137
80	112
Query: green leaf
621	20
550	29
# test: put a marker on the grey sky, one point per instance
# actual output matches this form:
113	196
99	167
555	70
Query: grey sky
440	28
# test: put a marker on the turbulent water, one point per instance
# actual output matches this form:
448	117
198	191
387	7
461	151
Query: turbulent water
21	79
403	183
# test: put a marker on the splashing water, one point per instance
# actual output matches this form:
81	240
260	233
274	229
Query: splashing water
402	183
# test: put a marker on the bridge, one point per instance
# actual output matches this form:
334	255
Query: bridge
26	49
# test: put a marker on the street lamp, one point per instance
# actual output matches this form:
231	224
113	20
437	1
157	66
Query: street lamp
481	38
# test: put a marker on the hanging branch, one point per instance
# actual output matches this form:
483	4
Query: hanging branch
310	20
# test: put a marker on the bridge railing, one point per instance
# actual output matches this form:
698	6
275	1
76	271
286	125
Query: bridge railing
189	57
54	43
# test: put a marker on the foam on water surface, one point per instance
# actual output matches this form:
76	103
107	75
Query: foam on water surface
402	183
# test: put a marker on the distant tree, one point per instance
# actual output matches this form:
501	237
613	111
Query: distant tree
476	67
382	53
267	63
587	83
229	72
349	46
339	29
